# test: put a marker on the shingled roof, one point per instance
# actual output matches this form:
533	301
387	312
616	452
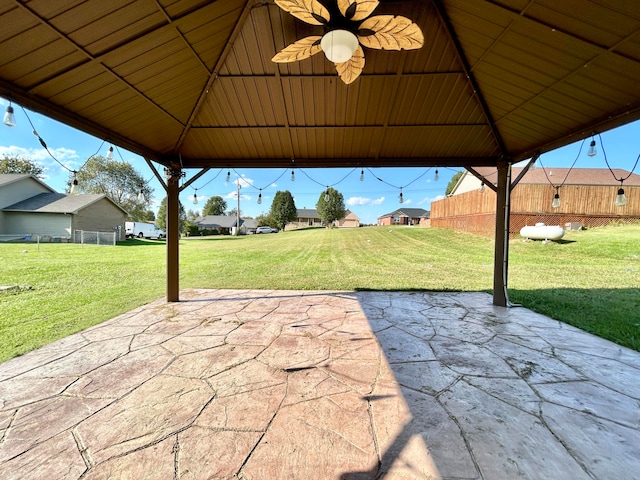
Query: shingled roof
408	212
56	203
575	176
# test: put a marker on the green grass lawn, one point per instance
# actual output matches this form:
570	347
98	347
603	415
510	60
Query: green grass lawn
590	279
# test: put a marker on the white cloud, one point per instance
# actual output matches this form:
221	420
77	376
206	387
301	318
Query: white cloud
353	201
429	200
66	156
243	181
234	196
407	201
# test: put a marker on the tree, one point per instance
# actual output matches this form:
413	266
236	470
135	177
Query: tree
330	206
452	183
161	220
283	209
117	180
20	165
150	216
214	206
265	219
192	216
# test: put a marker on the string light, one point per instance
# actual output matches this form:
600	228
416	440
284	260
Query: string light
141	198
195	198
592	152
482	186
555	203
362	175
74	184
400	197
326	194
110	153
436	177
9	117
621	198
556	199
293	176
260	197
228	179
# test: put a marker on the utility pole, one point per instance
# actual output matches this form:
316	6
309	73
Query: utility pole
238	211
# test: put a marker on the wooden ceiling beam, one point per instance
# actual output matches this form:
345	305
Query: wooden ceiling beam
248	6
444	17
340	162
333	76
38	104
601	48
623	116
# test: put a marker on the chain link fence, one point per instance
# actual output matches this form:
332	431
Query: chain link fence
94	238
82	237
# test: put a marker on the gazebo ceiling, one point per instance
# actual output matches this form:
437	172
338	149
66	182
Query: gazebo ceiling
192	81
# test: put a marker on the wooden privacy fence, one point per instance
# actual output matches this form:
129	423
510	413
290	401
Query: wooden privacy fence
590	205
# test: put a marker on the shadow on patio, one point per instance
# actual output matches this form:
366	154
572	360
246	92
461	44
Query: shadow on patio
322	385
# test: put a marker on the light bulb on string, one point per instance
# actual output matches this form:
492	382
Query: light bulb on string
592	152
260	197
621	198
228	179
110	153
293	176
195	198
556	200
9	117
141	198
326	195
400	197
482	187
362	175
436	177
74	185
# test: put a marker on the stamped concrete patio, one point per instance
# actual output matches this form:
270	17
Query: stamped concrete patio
261	385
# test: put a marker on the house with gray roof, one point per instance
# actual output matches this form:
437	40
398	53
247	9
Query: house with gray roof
224	224
405	216
29	207
307	217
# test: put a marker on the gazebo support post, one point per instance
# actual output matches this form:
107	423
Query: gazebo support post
173	174
501	255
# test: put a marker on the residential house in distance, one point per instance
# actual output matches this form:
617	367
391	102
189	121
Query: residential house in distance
308	217
224	224
350	220
586	195
29	207
406	216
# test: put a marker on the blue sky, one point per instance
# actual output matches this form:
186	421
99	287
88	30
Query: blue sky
374	196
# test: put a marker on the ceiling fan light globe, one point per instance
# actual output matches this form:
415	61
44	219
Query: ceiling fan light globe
339	45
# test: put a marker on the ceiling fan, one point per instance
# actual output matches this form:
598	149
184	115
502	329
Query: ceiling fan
348	27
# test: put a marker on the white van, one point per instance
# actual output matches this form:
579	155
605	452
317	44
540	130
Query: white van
143	230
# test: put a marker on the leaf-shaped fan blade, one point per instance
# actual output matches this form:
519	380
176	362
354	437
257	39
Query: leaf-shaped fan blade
390	33
350	70
299	50
357	10
310	11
